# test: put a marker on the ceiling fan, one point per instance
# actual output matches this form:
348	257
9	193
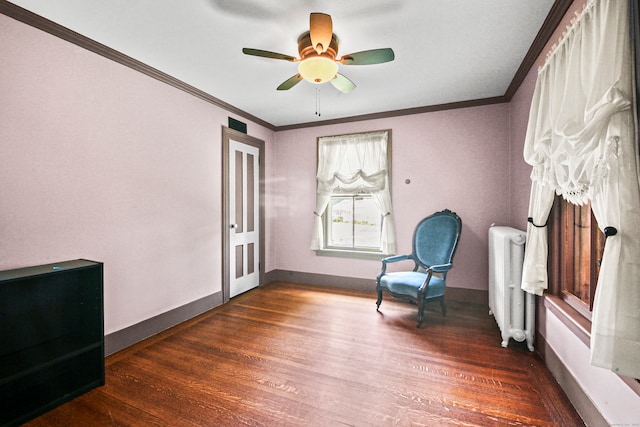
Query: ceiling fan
318	49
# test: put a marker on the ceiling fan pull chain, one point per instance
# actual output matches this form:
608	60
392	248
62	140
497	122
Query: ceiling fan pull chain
318	112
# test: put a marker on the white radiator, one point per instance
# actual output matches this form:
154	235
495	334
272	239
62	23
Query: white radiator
513	308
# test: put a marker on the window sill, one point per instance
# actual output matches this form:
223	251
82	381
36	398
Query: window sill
581	327
336	253
570	317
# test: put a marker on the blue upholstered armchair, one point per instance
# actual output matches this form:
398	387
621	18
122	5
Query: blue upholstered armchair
434	244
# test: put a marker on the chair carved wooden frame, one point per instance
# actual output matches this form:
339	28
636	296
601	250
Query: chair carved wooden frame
435	240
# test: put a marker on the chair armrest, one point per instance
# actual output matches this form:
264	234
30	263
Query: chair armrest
395	258
441	268
390	259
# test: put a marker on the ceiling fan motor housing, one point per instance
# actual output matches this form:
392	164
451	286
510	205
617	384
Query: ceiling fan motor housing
306	49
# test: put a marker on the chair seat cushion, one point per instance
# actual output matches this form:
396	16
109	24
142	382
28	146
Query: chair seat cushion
408	283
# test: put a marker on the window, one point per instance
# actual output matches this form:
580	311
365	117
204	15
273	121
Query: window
576	246
353	222
353	198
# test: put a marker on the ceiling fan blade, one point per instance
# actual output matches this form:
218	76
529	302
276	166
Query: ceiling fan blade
290	82
321	31
342	83
368	57
267	54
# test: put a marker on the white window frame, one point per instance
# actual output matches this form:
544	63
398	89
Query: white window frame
328	228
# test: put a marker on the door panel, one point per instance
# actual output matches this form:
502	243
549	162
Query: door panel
244	233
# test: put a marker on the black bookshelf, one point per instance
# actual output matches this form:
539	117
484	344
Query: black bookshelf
51	337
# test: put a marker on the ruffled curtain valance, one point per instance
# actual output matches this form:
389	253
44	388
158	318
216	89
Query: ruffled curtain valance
354	164
359	182
581	143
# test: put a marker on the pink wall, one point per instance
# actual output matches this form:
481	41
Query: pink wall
101	162
455	159
519	170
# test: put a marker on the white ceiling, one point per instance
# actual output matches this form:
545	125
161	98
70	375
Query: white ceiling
446	50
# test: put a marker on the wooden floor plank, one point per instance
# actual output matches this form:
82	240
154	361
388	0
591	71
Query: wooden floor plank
292	355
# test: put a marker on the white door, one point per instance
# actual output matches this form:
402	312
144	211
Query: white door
244	217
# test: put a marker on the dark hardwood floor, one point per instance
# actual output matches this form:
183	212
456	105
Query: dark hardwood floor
292	355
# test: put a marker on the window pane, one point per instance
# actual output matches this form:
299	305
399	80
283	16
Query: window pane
341	222
354	222
367	223
582	252
582	247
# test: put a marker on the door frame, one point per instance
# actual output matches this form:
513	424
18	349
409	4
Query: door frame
227	135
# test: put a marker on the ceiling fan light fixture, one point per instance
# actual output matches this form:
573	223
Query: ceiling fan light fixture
318	50
318	69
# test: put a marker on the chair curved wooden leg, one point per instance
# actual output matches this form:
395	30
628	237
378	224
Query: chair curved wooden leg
443	307
421	305
379	301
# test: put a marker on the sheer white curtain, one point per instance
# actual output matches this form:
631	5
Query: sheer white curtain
354	164
581	142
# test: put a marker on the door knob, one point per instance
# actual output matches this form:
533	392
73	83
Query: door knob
234	225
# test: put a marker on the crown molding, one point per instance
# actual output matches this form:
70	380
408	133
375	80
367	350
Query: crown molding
554	17
27	17
398	113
